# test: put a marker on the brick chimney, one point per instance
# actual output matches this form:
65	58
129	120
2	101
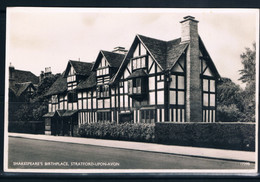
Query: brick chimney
189	34
120	50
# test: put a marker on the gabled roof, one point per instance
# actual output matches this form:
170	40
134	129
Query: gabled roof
174	51
59	86
113	59
81	68
209	60
88	82
165	53
21	76
157	49
21	87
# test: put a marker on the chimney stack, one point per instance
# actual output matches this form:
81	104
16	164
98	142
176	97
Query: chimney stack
189	34
189	29
120	50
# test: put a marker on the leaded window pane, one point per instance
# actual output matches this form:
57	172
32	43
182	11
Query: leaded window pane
205	85
212	85
212	99
181	82
205	99
181	98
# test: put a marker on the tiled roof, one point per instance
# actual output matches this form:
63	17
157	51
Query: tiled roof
88	82
114	59
49	115
21	87
69	113
81	68
157	48
165	53
21	76
174	51
59	86
137	73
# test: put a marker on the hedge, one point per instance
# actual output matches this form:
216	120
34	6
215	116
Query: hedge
125	131
32	127
236	136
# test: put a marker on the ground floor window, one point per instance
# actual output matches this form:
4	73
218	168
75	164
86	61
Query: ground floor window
209	115
148	116
104	117
177	114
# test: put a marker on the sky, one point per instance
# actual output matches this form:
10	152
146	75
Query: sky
50	37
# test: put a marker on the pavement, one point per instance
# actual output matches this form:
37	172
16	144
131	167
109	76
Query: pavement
235	155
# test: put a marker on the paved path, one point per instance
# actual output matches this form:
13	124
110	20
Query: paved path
140	146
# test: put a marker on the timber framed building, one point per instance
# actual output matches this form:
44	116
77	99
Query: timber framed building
154	81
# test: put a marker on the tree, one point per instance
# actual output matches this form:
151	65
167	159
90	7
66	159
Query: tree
37	107
229	101
248	74
249	71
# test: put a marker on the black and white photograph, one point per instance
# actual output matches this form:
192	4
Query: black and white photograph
127	90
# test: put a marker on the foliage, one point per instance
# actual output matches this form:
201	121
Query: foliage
37	107
237	136
249	71
234	103
125	131
229	113
248	74
229	100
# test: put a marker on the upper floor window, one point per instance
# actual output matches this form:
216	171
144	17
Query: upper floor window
138	84
71	78
103	91
139	62
54	99
103	71
72	97
209	92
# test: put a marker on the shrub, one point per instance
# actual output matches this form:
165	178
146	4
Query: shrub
228	113
125	131
237	136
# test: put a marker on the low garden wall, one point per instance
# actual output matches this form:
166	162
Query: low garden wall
32	127
237	136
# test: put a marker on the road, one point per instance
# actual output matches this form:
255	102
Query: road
38	154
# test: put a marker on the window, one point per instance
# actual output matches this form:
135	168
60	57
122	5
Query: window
209	94
102	71
72	97
137	87
103	91
177	90
104	117
139	62
148	116
160	78
54	99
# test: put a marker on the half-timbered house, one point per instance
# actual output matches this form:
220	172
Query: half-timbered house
154	81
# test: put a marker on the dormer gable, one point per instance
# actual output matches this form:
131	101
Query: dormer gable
75	72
